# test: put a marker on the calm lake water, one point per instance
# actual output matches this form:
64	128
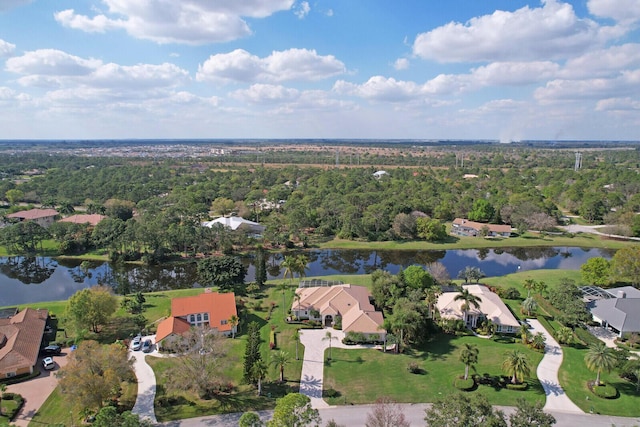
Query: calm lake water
29	280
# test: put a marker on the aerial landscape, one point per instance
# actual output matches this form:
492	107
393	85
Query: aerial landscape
294	213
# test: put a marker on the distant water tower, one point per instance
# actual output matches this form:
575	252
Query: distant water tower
578	164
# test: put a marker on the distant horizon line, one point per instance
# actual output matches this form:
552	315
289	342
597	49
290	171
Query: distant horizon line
431	140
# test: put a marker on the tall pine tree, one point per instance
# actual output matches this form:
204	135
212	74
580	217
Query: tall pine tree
252	351
261	266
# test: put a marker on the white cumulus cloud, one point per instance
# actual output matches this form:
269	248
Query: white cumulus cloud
51	62
624	11
266	94
302	10
627	83
380	88
401	64
184	21
6	48
549	32
292	64
618	104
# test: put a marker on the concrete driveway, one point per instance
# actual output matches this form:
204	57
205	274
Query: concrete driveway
146	382
37	390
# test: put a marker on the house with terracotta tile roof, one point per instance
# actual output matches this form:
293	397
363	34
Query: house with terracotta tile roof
352	303
42	217
210	309
92	219
464	227
20	340
491	308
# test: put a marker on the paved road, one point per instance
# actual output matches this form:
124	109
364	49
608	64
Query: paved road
37	390
356	416
547	372
146	383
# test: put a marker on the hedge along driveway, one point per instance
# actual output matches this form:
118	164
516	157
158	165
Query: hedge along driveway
361	376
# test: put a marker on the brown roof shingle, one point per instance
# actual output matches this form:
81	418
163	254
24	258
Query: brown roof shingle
23	334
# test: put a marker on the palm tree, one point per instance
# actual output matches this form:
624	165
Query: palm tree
282	286
529	305
600	357
300	265
564	335
472	274
517	365
538	341
329	337
431	298
3	388
529	285
296	338
525	335
289	266
259	371
279	360
469	300
233	321
468	356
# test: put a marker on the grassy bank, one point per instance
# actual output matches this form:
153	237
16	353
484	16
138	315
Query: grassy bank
581	240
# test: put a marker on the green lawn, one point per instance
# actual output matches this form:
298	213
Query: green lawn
583	240
57	410
6	407
551	277
244	397
361	376
573	378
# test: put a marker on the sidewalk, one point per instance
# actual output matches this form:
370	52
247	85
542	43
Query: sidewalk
557	400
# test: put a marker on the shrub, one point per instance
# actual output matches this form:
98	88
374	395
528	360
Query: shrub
272	339
330	392
464	385
606	391
414	368
517	387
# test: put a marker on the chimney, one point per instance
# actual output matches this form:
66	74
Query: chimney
622	294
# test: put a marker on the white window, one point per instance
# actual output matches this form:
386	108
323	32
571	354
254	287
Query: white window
199	318
206	317
11	374
192	318
223	322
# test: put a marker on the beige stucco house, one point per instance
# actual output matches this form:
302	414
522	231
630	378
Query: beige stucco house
42	217
491	308
352	303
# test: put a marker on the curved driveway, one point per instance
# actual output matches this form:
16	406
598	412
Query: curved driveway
146	383
547	372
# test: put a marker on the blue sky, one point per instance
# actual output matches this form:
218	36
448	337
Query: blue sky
419	69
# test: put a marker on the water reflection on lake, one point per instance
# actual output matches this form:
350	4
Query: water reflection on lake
27	280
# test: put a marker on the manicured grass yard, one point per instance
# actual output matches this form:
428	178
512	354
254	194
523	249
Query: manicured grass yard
7	407
573	378
244	397
361	376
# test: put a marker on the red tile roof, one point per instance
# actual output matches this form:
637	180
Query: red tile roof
93	219
34	214
219	306
171	325
23	334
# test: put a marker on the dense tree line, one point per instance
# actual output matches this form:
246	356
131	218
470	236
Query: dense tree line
156	207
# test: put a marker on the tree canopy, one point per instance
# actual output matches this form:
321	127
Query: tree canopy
92	307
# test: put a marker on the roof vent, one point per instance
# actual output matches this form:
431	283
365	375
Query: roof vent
622	294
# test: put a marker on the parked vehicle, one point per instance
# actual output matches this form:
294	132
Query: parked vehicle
136	343
48	363
51	350
147	346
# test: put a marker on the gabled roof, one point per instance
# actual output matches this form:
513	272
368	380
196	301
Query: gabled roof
219	306
34	214
349	301
490	303
171	325
23	335
234	222
93	219
496	228
621	313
